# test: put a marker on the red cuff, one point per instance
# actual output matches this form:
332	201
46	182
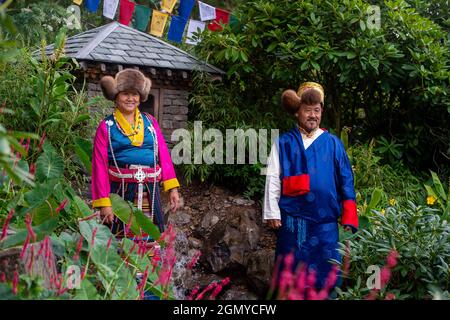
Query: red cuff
296	185
349	214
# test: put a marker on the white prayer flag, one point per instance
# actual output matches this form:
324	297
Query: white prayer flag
194	26
110	8
207	12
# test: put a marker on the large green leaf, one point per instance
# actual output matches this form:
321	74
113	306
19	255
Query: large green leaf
82	207
87	291
49	164
83	149
375	198
139	221
438	186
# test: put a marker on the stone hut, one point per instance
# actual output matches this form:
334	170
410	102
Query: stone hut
108	49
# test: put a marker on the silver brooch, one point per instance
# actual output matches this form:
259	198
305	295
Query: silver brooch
109	123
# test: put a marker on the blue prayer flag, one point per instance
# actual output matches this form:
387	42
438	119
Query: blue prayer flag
91	5
185	8
176	29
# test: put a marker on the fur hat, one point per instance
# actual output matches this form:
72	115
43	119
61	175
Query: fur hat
291	100
127	79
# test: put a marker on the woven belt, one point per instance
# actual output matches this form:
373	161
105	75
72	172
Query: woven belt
135	174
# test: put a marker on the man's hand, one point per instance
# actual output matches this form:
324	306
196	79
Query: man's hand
106	214
348	229
274	223
174	199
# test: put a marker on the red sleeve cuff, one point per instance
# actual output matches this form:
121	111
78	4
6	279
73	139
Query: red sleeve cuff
349	214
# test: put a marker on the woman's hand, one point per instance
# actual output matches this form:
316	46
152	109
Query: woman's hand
274	223
106	214
174	199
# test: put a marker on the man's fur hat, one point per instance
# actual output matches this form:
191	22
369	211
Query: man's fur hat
127	79
292	100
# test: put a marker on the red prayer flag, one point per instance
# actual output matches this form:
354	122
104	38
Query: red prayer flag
222	16
126	11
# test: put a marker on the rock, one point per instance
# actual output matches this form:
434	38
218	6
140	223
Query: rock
231	241
259	270
195	243
237	293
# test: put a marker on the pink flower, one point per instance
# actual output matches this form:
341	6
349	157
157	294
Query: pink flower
3	277
27	145
332	278
41	142
25	246
390	296
385	275
301	282
62	205
78	248
193	293
194	260
15	282
225	281
94	232
392	259
6	224
31	233
32	169
108	245
208	288
30	264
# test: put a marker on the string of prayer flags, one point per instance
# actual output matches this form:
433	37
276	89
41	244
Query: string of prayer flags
176	29
141	17
159	20
110	8
222	16
91	5
168	5
206	11
126	12
194	26
78	2
185	8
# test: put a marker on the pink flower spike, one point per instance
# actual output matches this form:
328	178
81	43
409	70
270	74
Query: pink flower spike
216	291
62	205
27	145
78	249
94	232
41	142
32	169
193	293
385	275
225	281
25	246
30	264
108	245
28	221
392	259
3	277
194	259
15	282
6	224
390	296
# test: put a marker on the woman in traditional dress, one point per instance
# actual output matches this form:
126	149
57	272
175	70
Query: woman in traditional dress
130	155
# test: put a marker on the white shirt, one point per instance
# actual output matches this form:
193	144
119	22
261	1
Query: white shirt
272	190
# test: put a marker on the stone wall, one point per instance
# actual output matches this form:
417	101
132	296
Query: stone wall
174	112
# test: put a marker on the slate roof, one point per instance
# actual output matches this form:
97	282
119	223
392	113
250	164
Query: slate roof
119	44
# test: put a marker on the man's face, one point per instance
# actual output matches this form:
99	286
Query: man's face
309	116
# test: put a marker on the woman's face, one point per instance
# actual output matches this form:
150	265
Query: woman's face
128	101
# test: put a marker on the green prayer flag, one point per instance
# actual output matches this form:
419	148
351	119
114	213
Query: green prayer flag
141	17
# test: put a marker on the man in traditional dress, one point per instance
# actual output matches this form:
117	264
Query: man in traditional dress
309	186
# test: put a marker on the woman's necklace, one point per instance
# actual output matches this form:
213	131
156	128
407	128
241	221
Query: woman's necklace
135	130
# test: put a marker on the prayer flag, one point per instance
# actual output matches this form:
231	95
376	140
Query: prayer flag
110	8
194	26
207	12
159	20
185	8
92	5
176	29
126	11
141	17
168	5
222	16
77	2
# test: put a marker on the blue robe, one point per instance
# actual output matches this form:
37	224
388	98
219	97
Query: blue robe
317	185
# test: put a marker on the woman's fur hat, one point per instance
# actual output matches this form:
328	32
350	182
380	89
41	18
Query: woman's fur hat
127	79
291	100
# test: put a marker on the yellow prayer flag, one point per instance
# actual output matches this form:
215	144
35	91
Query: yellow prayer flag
168	5
159	20
78	2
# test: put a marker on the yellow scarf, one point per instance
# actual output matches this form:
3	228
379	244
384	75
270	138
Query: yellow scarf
136	133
